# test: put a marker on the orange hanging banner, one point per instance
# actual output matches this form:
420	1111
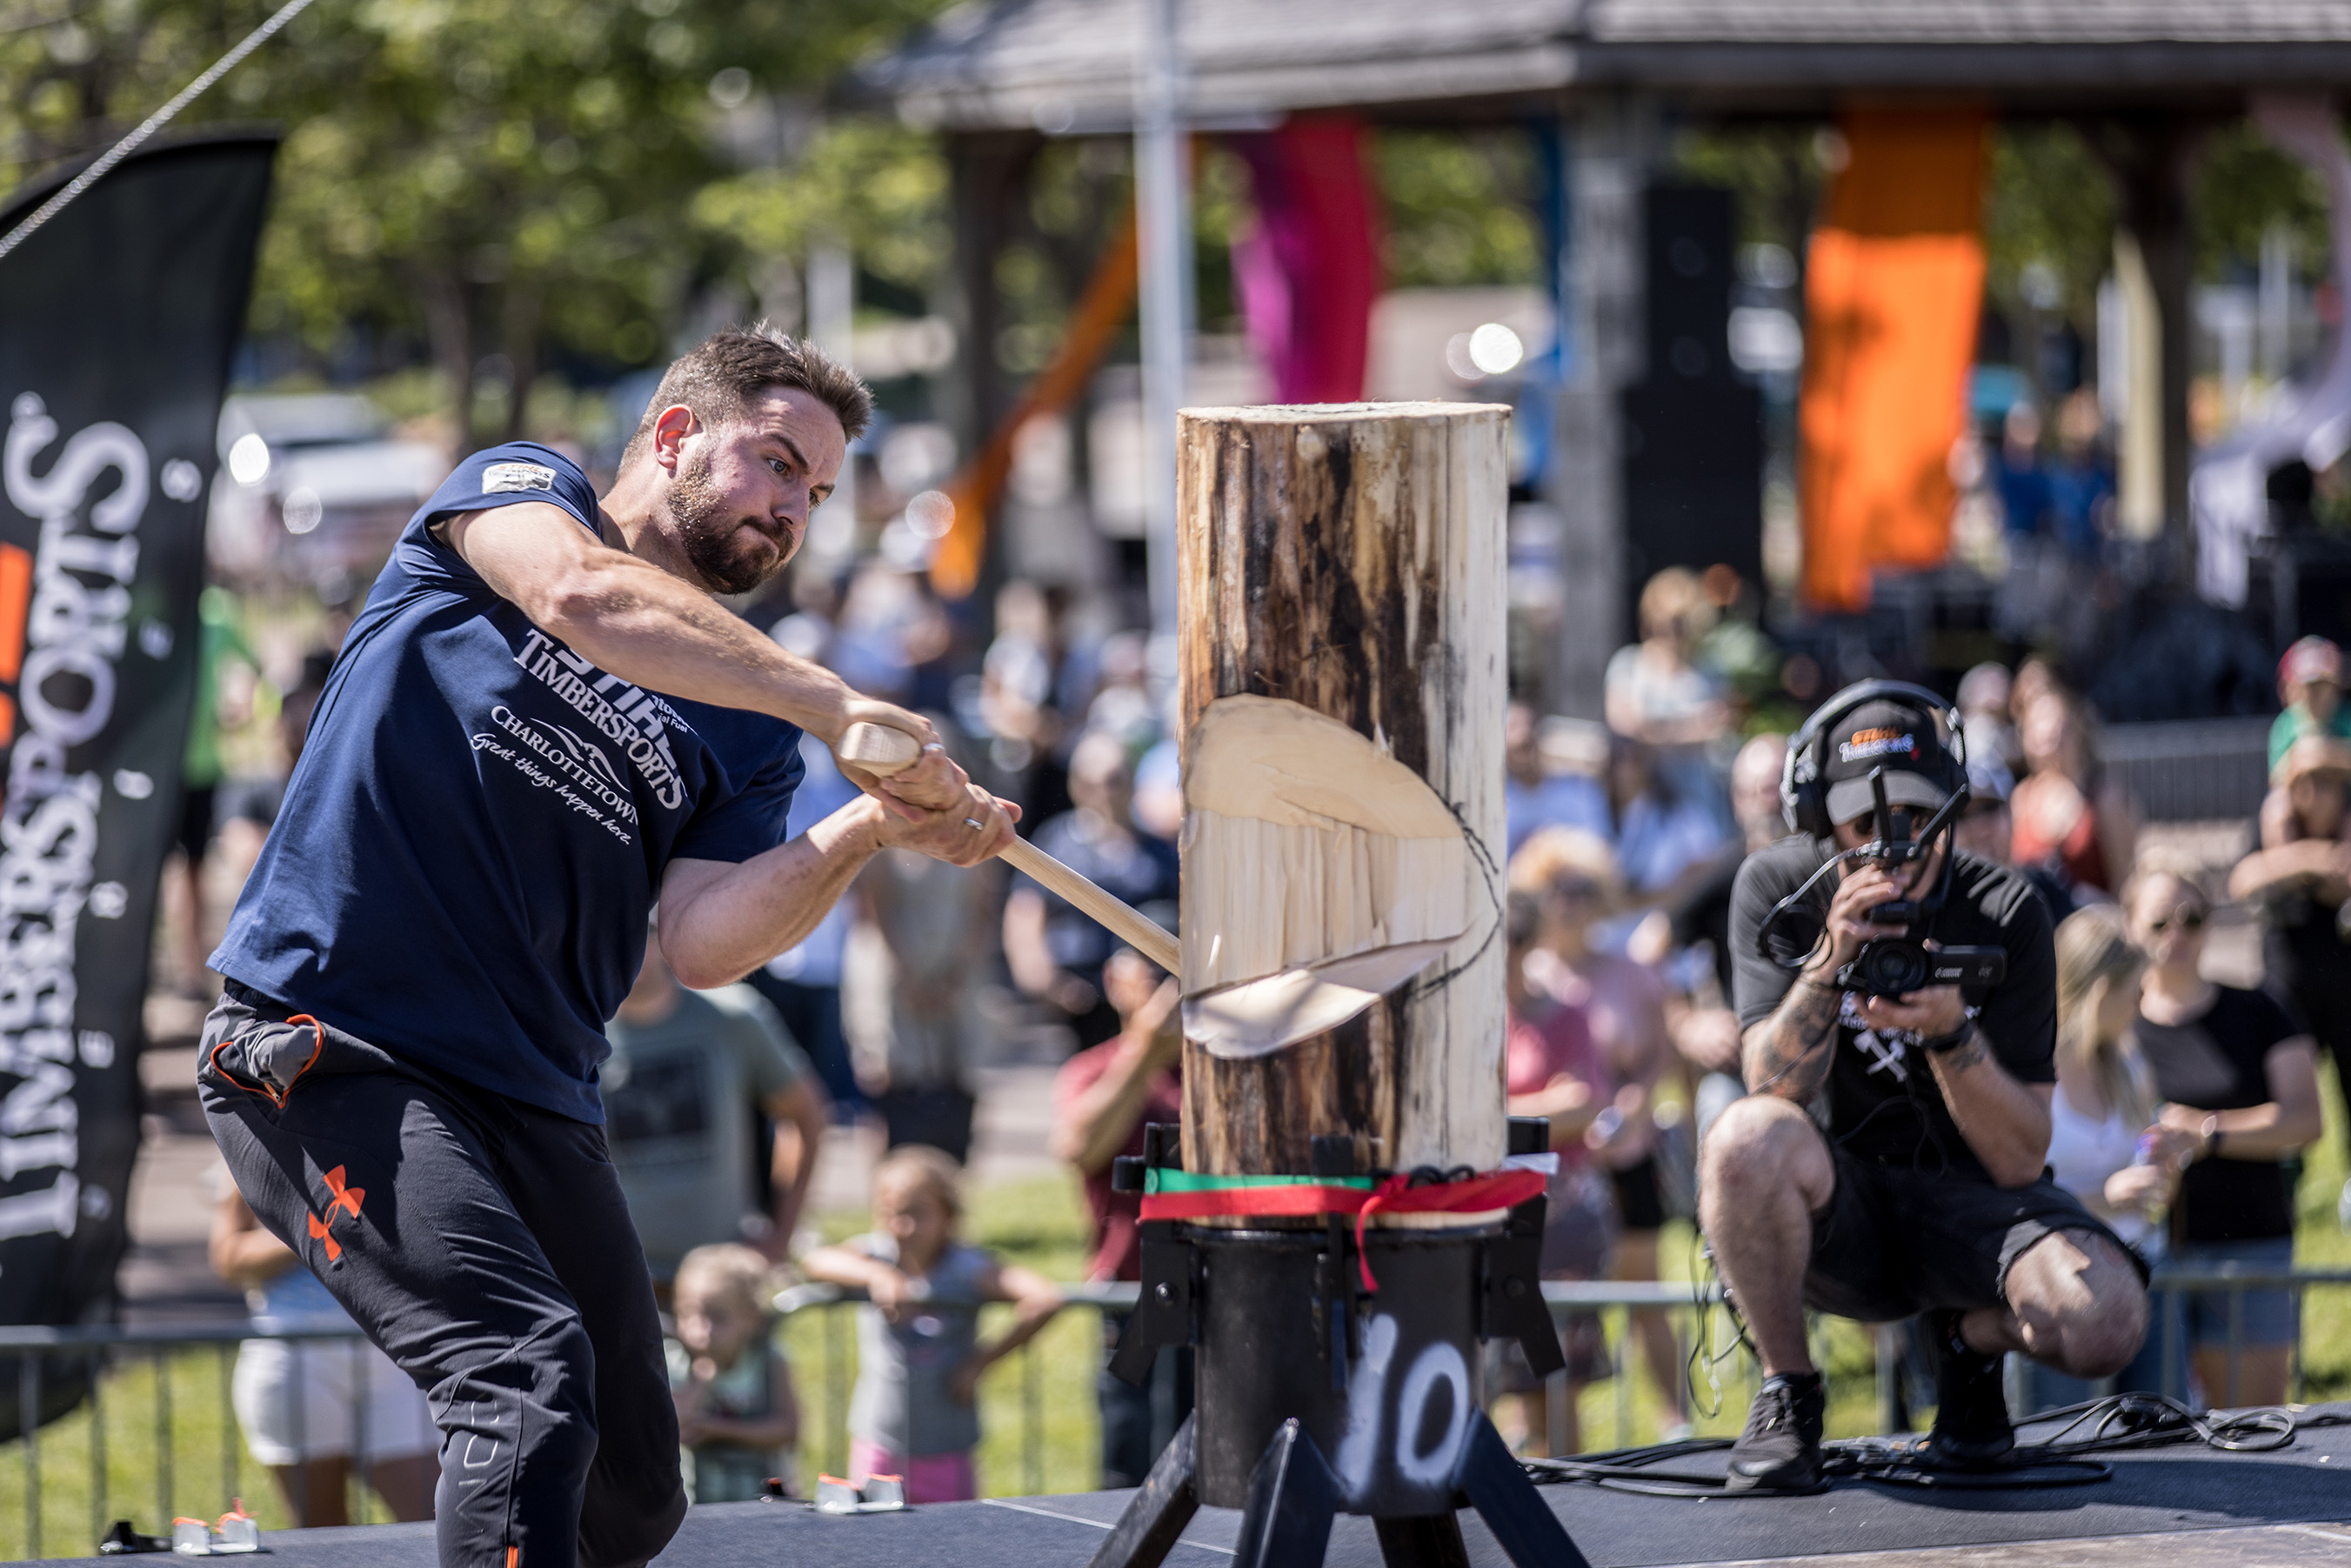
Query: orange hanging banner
1892	291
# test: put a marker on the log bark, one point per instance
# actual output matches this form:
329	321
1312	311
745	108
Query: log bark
1350	559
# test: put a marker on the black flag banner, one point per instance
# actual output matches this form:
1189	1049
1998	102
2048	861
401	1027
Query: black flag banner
117	321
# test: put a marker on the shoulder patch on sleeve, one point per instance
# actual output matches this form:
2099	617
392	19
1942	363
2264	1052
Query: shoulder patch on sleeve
501	476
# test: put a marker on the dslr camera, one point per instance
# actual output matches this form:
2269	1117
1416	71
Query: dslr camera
1896	965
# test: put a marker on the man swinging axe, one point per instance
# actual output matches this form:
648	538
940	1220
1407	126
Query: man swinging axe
542	724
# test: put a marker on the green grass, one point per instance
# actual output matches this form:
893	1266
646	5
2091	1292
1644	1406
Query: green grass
1038	1222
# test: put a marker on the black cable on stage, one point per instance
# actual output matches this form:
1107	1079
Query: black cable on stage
2117	1424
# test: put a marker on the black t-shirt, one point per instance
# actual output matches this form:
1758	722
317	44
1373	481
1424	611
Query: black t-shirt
2304	956
1882	1098
1704	914
2220	1062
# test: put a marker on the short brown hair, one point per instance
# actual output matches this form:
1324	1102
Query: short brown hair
1552	854
718	377
930	1168
729	1269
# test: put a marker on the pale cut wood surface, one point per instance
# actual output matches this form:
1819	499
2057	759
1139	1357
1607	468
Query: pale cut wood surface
1308	843
1350	559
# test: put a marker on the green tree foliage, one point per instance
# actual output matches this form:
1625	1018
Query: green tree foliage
2244	185
870	183
1459	207
508	176
1774	172
2049	216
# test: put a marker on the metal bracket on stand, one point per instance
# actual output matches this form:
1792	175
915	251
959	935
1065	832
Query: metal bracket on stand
1293	1493
1163	1311
1294	1497
1509	1300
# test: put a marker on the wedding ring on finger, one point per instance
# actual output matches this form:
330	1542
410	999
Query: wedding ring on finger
973	823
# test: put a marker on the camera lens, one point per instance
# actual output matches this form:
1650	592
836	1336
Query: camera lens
1891	969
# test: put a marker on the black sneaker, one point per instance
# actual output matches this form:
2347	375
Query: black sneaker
1781	1449
1971	1426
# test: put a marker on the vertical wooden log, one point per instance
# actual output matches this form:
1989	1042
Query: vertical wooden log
1349	558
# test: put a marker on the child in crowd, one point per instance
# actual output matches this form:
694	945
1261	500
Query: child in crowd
2310	697
2106	1147
919	1357
1553	1068
738	1416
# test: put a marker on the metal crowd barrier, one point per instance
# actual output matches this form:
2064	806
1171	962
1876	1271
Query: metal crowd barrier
102	1345
1698	1308
2190	770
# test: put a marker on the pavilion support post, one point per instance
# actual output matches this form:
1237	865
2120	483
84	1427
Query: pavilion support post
1342	668
1612	144
986	171
2151	160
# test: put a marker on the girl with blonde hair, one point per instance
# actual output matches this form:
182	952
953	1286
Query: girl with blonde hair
738	1418
919	1352
2104	1096
2103	1146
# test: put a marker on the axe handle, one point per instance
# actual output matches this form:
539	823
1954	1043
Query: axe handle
882	751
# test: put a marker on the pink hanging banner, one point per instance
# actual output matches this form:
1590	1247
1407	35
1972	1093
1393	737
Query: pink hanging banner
1309	268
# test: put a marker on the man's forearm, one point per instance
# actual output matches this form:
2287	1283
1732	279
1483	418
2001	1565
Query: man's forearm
1789	1056
1098	1123
799	1139
635	620
2006	1123
638	621
719	924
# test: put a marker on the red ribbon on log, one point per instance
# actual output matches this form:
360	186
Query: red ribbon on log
1396	1194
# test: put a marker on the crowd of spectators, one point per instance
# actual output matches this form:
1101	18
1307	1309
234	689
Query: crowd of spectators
2181	1103
2178	1107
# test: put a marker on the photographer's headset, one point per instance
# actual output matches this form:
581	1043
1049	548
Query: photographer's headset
1804	799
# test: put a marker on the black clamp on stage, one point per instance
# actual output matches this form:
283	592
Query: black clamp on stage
1509	1301
1163	1312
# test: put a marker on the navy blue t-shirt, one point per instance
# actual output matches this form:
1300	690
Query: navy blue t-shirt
477	828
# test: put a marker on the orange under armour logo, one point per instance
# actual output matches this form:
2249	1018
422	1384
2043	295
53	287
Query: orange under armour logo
340	1197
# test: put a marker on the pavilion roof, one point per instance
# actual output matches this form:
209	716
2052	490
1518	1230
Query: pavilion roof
1065	66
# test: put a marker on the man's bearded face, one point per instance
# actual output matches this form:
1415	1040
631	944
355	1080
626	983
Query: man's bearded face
711	525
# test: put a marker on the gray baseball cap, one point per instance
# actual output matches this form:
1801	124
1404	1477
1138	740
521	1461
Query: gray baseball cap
1899	738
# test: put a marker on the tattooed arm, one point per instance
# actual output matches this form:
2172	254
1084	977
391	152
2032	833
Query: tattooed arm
1788	1055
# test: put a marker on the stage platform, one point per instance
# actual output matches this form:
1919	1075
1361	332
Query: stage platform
2185	1507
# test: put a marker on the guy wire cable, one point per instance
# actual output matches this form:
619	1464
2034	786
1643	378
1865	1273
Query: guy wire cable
150	125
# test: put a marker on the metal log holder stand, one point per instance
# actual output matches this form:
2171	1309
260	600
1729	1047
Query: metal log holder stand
1340	611
1336	1367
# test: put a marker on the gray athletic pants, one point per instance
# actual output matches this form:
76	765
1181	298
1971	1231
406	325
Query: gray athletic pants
484	1245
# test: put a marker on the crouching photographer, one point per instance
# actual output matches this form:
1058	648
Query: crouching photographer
1897	1002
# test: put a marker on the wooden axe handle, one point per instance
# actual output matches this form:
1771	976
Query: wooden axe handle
882	751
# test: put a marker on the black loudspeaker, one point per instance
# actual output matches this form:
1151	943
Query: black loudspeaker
1693	432
1693	479
1686	282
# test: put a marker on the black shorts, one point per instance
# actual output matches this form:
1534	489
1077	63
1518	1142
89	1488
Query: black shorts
1895	1240
194	833
1639	1205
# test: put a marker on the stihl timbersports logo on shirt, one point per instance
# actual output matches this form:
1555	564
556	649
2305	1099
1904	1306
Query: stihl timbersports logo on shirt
636	721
